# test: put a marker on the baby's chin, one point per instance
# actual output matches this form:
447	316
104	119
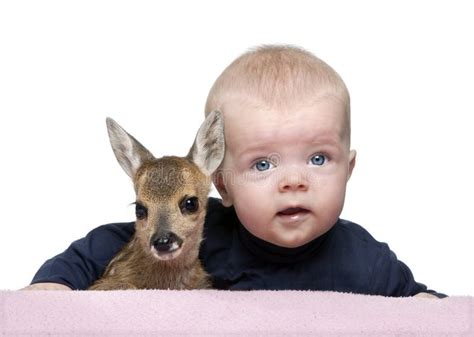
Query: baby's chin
280	236
297	236
285	243
291	239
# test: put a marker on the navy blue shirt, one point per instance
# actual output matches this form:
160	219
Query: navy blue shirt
346	258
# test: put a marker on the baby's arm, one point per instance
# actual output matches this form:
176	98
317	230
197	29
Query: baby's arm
392	277
426	295
84	261
46	286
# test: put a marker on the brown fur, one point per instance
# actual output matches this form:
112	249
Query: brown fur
161	185
135	267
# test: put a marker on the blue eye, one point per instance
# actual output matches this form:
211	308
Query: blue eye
318	159
263	165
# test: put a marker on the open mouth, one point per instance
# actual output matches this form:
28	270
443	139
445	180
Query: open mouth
292	211
292	215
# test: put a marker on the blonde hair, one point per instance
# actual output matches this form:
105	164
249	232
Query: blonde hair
277	76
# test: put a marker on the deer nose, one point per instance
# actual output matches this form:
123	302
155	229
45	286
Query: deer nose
167	242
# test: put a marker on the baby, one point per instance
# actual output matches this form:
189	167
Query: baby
282	182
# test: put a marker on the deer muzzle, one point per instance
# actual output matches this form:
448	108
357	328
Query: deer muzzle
167	245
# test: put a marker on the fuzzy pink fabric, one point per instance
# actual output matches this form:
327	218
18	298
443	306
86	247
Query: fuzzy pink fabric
226	313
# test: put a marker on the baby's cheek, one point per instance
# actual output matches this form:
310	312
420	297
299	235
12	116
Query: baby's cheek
248	203
251	205
333	200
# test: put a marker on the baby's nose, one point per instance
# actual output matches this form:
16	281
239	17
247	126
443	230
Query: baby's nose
293	181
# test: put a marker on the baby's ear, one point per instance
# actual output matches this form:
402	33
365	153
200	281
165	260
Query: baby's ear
218	178
352	162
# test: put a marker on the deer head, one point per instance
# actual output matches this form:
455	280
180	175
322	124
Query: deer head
171	192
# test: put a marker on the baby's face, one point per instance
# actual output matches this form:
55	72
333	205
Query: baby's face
286	172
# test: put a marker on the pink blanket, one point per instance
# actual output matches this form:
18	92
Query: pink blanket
225	313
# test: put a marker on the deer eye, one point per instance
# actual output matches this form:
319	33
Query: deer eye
140	211
189	205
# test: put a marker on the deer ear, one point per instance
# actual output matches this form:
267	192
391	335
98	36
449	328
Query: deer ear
208	149
129	152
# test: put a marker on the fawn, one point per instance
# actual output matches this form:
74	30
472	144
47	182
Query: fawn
171	200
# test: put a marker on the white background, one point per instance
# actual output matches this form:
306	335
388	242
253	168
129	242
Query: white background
65	66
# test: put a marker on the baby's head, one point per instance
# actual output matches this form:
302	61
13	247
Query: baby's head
287	133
